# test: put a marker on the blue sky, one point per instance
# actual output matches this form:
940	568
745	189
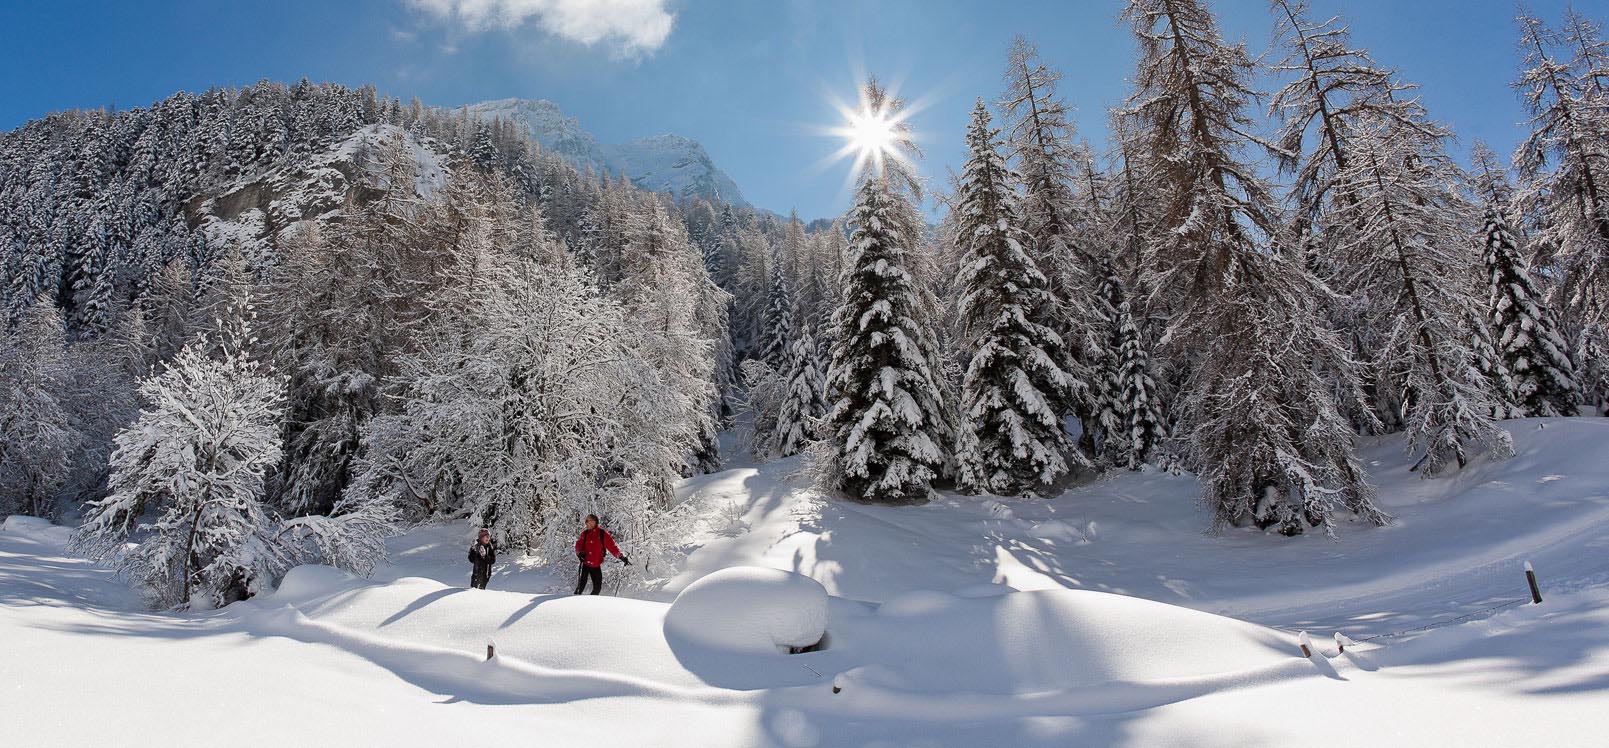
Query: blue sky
753	80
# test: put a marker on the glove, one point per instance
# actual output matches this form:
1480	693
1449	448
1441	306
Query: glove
625	560
582	557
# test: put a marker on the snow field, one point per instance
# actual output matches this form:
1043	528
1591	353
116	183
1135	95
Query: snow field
949	624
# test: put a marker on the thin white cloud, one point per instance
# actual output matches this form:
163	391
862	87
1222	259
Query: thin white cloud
632	27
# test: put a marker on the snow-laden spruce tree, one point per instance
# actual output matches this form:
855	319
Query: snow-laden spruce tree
1490	364
37	436
1534	355
1101	210
196	459
1141	426
1260	425
1014	392
777	324
887	426
804	402
1106	385
1039	135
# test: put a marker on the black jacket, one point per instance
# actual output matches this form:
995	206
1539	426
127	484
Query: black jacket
483	564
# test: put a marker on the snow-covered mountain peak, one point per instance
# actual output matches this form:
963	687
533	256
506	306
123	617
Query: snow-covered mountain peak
660	163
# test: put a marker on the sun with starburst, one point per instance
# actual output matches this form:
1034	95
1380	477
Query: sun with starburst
876	133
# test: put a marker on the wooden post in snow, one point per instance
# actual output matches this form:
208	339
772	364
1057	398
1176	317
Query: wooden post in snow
1530	576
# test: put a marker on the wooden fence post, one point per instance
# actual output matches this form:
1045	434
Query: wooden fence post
1530	576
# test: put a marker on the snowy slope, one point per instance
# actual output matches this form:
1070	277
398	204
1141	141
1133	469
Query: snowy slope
927	641
661	163
1460	539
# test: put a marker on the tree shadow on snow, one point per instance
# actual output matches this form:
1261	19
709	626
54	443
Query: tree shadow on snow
420	604
527	609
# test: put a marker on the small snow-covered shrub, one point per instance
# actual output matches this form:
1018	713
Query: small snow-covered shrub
750	610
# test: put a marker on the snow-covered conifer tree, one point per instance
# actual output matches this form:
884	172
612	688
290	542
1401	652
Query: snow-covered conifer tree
1488	179
751	284
345	302
1014	391
1534	355
1376	191
1262	428
803	404
166	311
1403	248
1107	365
1142	428
1564	176
778	323
529	412
1040	137
888	423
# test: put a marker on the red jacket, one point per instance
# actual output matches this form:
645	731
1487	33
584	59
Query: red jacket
591	545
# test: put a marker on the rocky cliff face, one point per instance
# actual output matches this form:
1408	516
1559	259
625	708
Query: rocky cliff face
253	213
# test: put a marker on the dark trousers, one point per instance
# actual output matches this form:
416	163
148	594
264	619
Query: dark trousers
593	573
479	577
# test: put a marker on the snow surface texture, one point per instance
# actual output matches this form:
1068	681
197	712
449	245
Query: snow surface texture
929	643
751	610
661	163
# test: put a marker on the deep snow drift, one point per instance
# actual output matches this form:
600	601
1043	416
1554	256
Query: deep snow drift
929	640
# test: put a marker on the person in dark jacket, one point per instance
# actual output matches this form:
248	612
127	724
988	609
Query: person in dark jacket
481	557
589	550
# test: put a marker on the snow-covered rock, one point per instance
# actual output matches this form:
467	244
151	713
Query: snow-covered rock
750	610
259	207
660	163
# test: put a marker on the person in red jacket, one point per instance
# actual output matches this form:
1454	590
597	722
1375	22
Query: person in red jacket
589	549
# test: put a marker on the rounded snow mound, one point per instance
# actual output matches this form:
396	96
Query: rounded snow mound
313	581
915	603
36	528
1025	642
750	610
